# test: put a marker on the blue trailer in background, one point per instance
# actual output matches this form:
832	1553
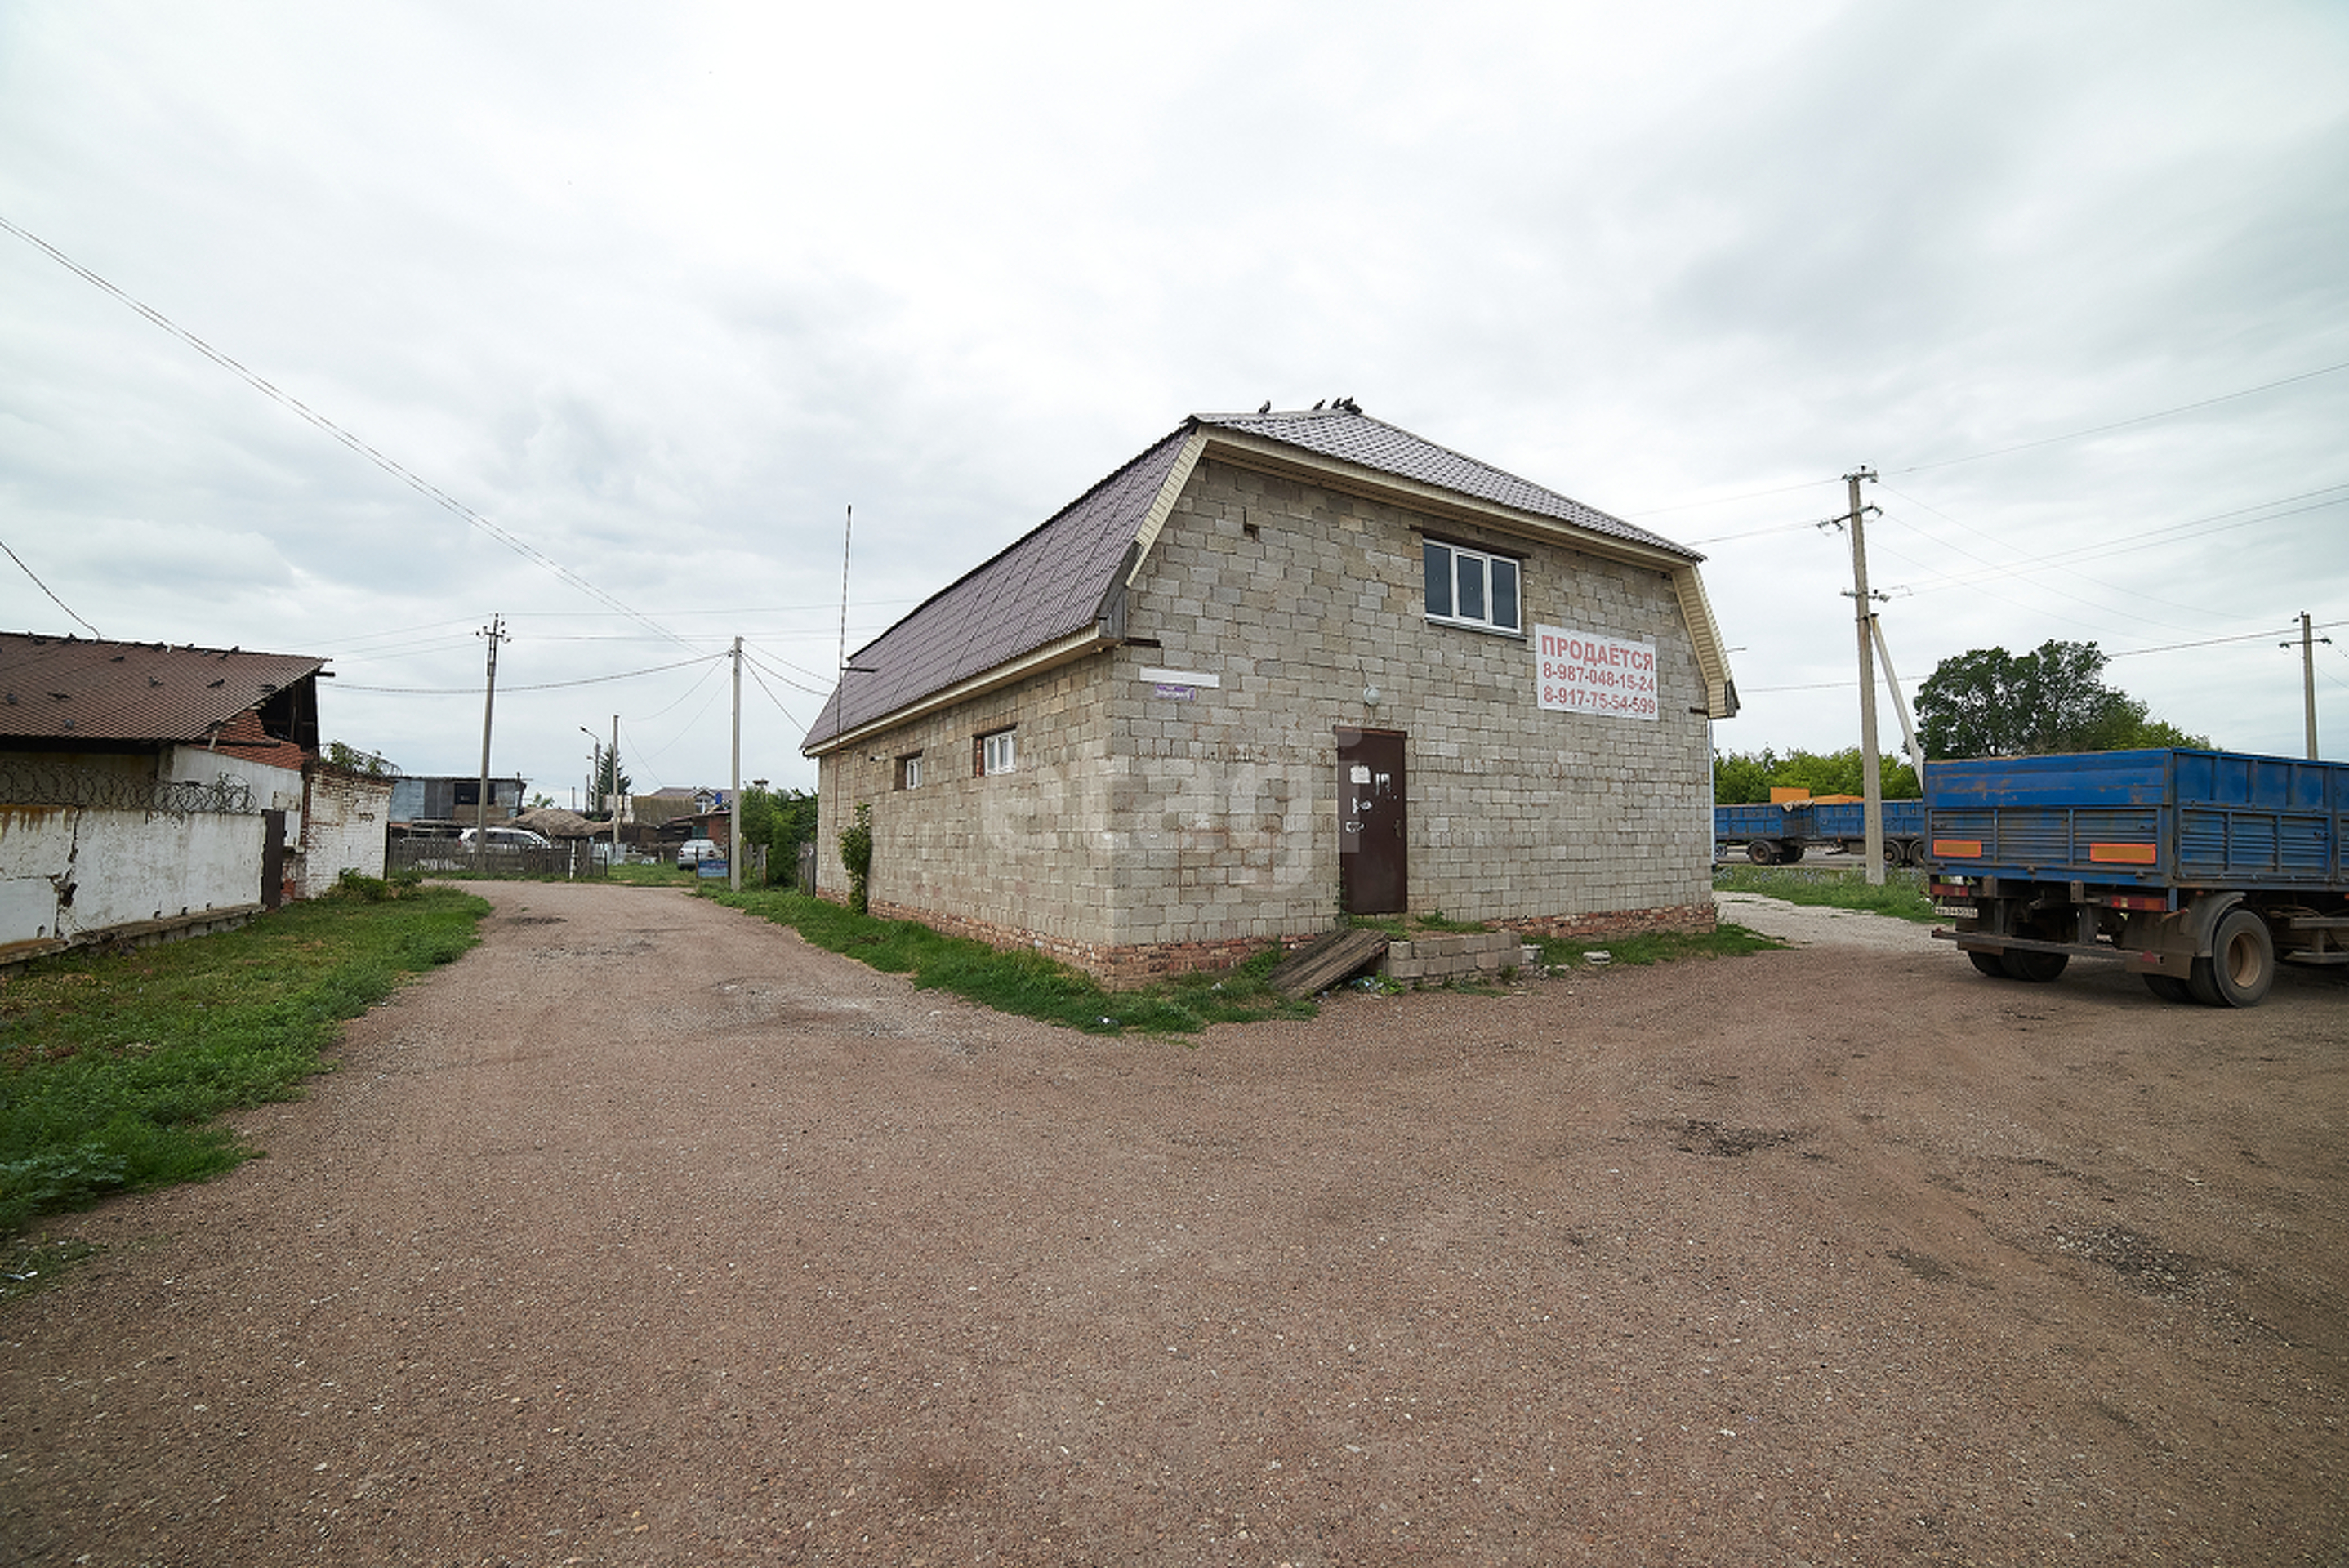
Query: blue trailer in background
2198	870
1767	835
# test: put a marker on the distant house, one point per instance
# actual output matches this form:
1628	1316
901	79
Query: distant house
153	791
1278	669
443	803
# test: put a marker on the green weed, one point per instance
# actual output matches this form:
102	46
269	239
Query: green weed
1841	887
1724	940
113	1067
1024	982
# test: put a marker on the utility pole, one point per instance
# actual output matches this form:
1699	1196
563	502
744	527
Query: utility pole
2308	641
734	816
1872	767
617	794
496	633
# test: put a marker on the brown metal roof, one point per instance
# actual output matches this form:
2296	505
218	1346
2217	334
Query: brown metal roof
1057	580
1352	437
72	688
1049	584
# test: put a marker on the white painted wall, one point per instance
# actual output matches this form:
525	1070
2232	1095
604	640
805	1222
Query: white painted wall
124	867
274	789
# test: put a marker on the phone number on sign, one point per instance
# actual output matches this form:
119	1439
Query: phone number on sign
1556	672
1586	699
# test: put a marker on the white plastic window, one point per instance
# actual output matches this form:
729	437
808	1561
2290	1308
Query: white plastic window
1471	588
999	752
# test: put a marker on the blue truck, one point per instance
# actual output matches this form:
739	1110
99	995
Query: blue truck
2198	870
1767	835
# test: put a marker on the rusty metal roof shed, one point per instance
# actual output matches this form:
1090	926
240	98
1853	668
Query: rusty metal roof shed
74	689
1060	582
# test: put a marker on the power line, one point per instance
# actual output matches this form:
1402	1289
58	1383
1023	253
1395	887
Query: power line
421	485
1973	456
545	686
2124	424
760	681
44	587
2214	641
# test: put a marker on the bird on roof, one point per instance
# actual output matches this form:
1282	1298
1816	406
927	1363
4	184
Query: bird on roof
1267	406
1317	406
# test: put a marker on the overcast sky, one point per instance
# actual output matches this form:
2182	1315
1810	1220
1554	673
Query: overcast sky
657	293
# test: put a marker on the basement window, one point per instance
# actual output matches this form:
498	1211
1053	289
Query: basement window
996	753
1471	588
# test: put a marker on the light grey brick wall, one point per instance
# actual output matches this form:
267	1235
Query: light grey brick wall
1142	817
1299	598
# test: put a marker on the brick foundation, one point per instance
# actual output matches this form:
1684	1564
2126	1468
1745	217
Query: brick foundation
1690	919
1112	965
1433	958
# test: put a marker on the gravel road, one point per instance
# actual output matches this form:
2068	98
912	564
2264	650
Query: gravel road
646	1235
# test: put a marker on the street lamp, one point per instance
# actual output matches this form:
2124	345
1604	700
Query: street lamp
595	761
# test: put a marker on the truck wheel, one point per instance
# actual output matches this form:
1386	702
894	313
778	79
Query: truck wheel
1892	853
1762	853
1987	962
2036	967
2241	965
2169	987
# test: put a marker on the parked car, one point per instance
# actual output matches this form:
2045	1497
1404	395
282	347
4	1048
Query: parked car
693	852
508	841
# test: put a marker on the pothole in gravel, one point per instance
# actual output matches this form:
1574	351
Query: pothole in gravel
1924	1265
1725	1142
2140	1261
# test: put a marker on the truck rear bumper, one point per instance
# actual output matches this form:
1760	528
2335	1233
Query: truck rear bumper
2137	961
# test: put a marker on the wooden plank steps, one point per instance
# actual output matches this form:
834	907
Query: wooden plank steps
1341	955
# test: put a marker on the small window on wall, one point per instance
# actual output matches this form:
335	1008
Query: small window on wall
909	771
997	753
1471	588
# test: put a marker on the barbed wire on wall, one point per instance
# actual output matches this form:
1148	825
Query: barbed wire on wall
26	782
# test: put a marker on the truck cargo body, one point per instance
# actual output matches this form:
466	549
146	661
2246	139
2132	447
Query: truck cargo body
2197	869
1769	834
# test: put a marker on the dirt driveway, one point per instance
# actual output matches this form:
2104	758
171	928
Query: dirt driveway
647	1234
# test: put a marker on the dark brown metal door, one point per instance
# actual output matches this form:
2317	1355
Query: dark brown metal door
272	859
1374	839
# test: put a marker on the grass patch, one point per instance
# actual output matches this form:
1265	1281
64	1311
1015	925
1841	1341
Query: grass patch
1724	940
1021	982
26	1266
1902	895
113	1067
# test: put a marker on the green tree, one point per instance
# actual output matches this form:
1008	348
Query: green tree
351	759
608	793
1741	779
1989	702
782	820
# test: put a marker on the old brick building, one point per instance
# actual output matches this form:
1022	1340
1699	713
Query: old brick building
1278	668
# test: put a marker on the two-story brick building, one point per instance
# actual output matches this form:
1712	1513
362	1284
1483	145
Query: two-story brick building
1278	668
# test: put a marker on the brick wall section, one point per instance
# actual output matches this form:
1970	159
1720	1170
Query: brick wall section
344	818
1145	831
1453	955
